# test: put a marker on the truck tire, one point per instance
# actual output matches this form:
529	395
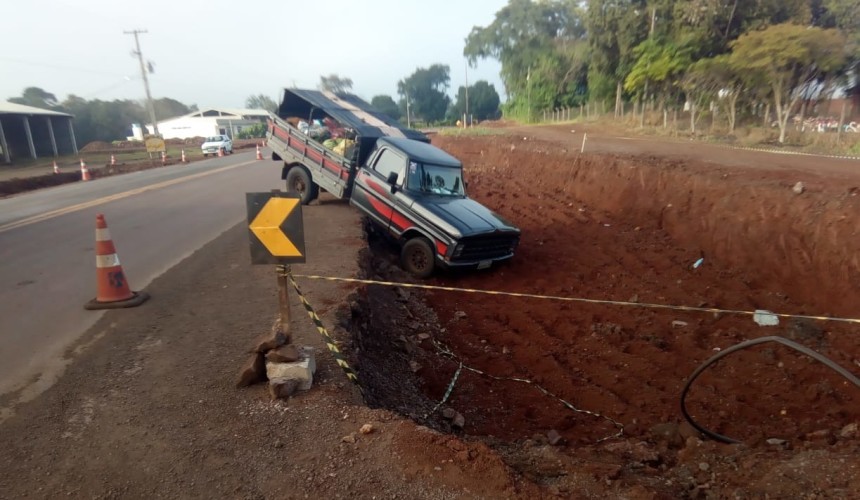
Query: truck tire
299	181
417	258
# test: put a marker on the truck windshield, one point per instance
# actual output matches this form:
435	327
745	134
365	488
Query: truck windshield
435	179
217	138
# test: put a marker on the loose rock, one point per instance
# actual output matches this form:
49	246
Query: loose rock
269	341
459	421
449	413
849	431
253	371
366	429
554	437
798	188
283	354
350	438
414	366
282	388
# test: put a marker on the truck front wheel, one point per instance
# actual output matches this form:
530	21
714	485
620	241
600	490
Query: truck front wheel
299	182
417	257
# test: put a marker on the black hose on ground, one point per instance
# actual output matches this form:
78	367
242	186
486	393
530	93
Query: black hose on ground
743	345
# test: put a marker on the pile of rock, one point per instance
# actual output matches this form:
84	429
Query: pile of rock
287	367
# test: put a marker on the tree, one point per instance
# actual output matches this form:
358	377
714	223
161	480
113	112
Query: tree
716	79
261	101
107	121
425	90
386	105
659	62
335	83
615	27
789	57
38	98
483	101
535	42
168	108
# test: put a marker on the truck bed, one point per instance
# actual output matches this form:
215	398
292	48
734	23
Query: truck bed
330	170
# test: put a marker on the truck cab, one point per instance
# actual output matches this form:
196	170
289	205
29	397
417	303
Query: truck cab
416	193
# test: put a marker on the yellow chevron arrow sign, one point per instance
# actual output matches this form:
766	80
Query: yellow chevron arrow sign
276	221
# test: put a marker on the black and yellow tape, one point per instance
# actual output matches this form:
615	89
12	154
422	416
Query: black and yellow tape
448	391
445	351
855	321
338	356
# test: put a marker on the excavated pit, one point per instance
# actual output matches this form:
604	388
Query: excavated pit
628	229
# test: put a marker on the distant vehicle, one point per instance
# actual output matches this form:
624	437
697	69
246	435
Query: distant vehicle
213	144
410	190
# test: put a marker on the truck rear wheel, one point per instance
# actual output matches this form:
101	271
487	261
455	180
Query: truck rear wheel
417	257
299	181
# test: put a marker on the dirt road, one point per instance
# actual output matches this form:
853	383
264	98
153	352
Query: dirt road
147	407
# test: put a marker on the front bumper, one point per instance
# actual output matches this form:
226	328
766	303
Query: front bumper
473	264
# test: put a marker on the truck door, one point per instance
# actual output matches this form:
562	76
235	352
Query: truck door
372	193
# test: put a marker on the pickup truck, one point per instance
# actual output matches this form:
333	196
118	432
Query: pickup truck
412	191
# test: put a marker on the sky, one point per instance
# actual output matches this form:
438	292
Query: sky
217	53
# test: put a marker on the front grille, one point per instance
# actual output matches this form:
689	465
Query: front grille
487	247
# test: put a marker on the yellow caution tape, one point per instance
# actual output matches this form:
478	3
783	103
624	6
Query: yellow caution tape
581	299
329	341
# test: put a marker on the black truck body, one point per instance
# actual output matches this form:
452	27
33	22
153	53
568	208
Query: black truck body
413	191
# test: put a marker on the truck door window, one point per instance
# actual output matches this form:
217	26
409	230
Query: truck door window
441	180
388	162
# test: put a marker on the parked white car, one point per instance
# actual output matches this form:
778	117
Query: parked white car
216	143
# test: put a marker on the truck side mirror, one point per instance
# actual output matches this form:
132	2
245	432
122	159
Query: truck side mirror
392	178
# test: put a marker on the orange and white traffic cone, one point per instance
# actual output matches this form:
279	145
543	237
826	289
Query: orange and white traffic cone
220	151
85	173
56	168
112	287
183	157
163	158
259	153
112	161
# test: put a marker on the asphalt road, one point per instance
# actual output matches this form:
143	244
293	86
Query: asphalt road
156	218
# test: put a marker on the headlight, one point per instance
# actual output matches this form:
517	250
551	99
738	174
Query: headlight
458	250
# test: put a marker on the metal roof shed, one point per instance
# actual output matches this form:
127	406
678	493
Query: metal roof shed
28	131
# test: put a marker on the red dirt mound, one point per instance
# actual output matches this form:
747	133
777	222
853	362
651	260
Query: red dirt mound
625	229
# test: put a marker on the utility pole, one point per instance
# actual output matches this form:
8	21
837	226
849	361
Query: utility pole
150	106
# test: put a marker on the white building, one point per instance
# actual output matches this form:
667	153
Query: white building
207	122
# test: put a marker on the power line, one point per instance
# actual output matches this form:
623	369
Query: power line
54	66
109	87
